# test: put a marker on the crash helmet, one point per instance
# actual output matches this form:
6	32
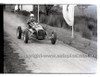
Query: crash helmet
31	15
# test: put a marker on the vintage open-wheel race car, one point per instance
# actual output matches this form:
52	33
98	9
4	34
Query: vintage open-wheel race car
36	31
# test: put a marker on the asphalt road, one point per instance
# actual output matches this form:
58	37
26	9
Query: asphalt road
42	56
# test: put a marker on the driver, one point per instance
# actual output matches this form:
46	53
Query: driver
30	22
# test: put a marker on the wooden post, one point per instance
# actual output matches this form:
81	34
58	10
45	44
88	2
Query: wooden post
38	13
73	31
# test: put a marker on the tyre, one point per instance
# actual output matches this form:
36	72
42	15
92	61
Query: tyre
25	36
54	38
19	32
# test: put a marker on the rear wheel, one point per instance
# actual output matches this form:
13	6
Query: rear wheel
19	32
25	36
54	38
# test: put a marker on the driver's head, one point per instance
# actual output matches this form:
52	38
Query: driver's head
31	15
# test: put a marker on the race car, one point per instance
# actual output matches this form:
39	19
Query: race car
36	31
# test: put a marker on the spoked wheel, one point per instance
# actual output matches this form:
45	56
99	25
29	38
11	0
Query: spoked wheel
25	36
54	37
19	32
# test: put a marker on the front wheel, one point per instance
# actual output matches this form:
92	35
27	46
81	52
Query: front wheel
19	32
25	36
54	38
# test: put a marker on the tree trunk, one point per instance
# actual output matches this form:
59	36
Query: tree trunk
18	7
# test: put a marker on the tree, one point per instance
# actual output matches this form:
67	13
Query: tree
82	8
47	8
18	7
21	7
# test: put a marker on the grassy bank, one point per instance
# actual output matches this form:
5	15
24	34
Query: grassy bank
85	45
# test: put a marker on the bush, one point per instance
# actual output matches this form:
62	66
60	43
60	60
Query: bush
86	33
43	19
25	13
78	27
83	28
54	20
51	20
91	25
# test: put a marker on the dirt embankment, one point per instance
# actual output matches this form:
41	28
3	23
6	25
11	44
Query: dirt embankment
12	62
